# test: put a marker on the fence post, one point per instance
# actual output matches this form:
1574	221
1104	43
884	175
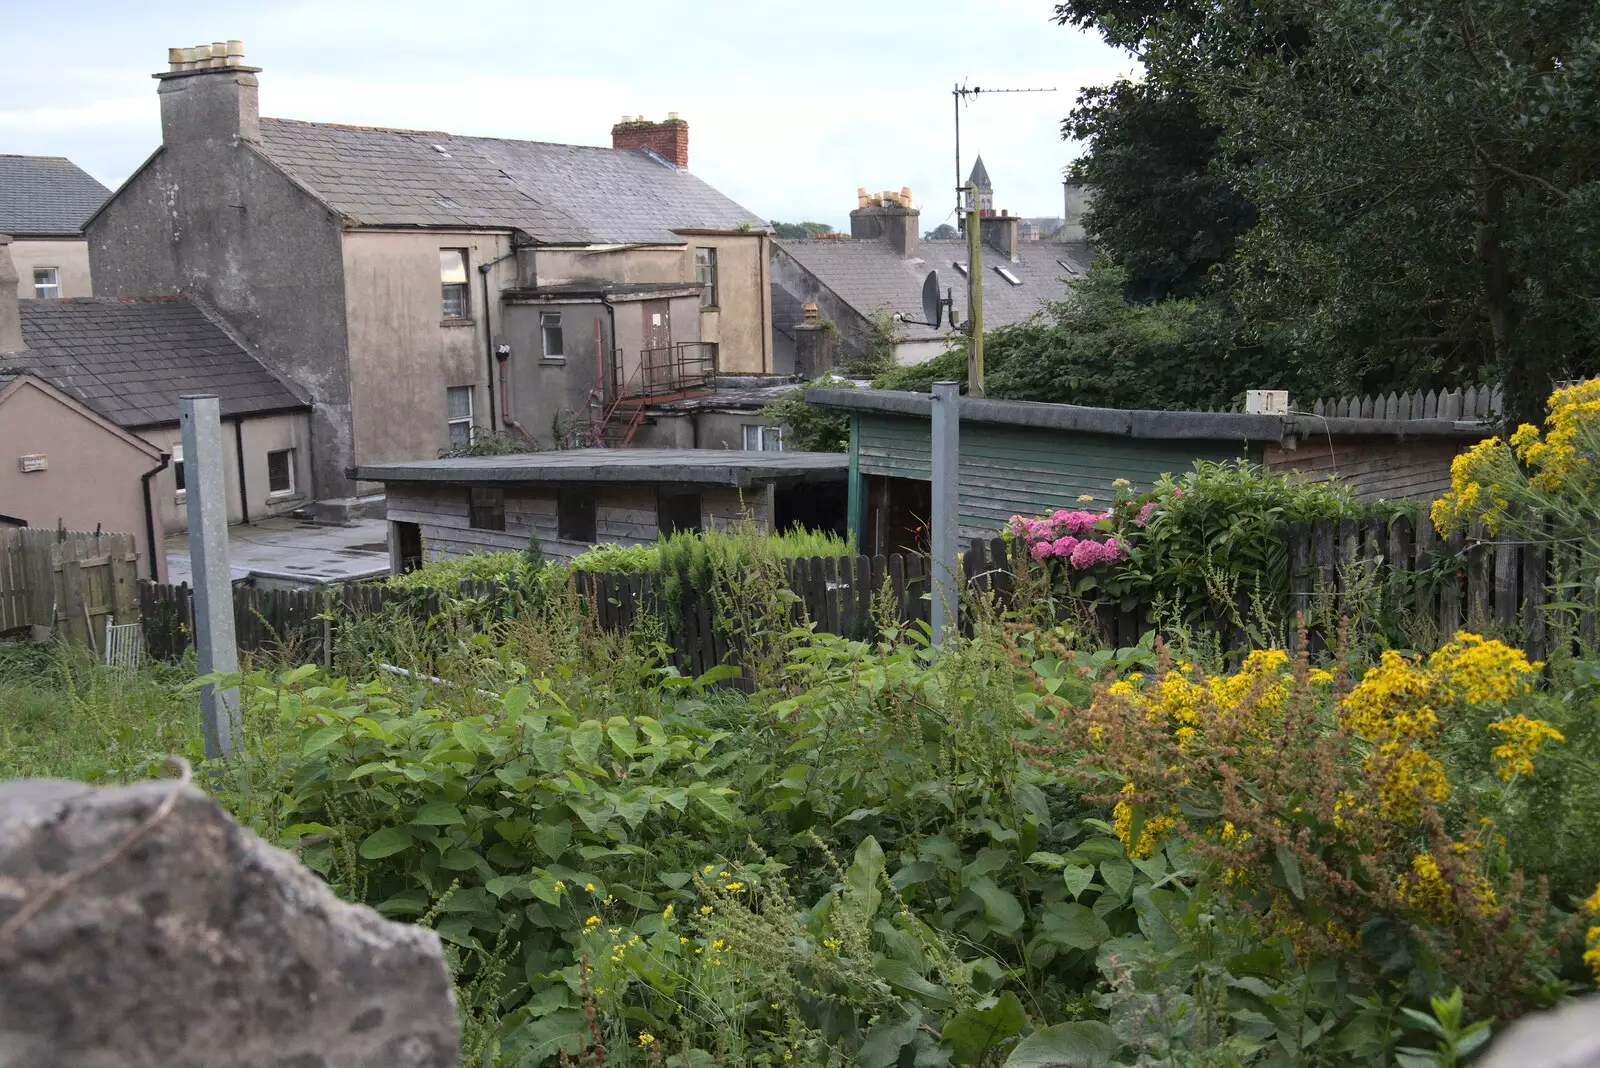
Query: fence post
945	587
200	420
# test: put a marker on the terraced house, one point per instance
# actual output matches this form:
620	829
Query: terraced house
425	288
44	202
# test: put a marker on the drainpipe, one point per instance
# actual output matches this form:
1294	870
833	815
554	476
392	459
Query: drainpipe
150	515
488	333
238	452
765	285
616	368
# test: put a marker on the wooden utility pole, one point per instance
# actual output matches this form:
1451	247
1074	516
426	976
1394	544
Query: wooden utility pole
974	295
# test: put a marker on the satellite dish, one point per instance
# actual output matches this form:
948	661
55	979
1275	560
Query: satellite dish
931	304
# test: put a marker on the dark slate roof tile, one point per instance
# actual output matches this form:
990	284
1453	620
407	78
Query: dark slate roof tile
871	275
555	193
46	196
130	360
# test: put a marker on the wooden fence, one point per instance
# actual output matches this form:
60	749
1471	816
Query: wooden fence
67	580
1328	571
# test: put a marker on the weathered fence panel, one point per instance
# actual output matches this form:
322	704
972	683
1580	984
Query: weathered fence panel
1330	571
69	582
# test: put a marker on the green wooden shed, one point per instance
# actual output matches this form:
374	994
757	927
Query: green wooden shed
1027	458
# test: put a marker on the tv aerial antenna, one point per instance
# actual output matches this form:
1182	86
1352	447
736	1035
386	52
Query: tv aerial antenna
964	94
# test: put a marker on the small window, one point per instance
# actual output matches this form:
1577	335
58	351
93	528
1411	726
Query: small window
177	470
960	267
453	282
1069	268
575	515
758	438
458	414
554	346
1008	276
678	511
705	272
487	509
46	283
280	472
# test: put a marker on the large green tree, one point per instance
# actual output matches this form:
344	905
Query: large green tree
1159	210
1427	178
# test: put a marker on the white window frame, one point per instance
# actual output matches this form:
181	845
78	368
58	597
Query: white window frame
705	272
181	494
292	490
766	438
545	325
55	274
468	420
465	284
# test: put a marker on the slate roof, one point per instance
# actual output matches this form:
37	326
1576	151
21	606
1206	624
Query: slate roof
870	275
557	194
130	360
46	196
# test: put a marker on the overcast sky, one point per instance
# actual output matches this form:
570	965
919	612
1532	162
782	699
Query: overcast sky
791	106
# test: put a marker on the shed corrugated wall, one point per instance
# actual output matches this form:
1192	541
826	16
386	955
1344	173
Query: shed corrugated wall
1007	471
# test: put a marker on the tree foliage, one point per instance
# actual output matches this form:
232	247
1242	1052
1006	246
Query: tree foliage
1098	348
942	232
807	427
1159	210
800	230
1422	182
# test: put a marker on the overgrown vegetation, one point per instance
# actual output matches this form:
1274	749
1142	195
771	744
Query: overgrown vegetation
1025	848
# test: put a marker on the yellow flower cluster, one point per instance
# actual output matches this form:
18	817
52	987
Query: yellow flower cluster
1427	890
1524	738
1560	458
1488	463
1485	478
1591	954
1149	835
1480	671
1396	709
1190	702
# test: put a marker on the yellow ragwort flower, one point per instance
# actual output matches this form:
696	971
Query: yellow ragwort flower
592	921
1524	738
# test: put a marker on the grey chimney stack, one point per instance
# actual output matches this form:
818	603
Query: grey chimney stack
10	317
887	217
207	93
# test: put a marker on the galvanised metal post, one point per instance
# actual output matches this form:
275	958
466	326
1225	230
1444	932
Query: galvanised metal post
946	590
205	486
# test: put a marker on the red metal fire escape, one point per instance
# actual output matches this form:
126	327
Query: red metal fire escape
684	370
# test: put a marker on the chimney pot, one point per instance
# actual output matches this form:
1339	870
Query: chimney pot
672	116
218	100
811	311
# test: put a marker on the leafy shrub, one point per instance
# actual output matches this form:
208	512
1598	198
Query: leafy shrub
446	573
808	427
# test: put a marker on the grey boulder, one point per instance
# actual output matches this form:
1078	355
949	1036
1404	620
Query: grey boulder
199	944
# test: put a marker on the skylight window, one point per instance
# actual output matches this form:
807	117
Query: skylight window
1008	276
961	268
1069	268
